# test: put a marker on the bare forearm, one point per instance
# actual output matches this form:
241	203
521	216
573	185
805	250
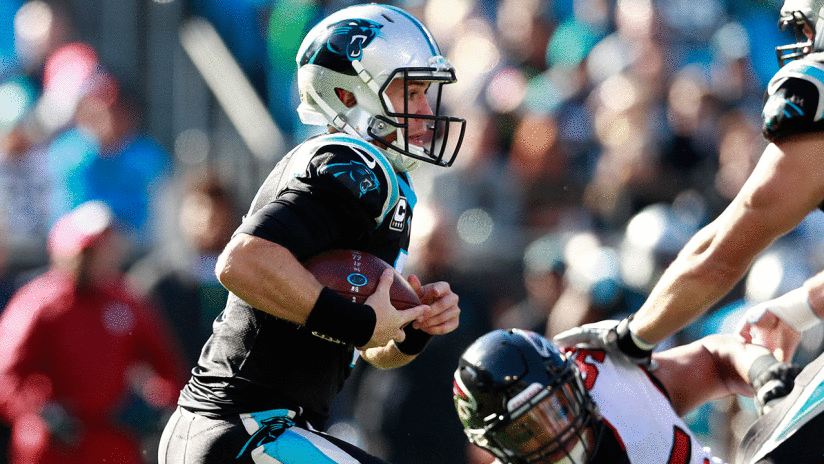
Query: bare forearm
696	280
386	357
775	198
268	277
710	368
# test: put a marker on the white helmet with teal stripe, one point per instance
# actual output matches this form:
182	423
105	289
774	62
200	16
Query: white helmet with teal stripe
362	49
800	14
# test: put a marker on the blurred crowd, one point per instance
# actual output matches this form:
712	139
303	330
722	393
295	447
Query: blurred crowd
602	134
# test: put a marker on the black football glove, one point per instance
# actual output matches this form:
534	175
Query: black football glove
772	381
611	336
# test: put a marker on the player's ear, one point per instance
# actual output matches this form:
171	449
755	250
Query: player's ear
346	97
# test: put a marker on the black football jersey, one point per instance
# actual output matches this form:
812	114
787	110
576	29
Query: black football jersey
331	192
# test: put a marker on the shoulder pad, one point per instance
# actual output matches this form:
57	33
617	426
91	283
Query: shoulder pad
359	166
793	102
805	70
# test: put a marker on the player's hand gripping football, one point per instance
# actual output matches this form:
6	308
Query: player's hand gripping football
443	313
609	335
389	321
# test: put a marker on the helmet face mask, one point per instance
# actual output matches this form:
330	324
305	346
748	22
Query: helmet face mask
805	17
434	146
362	49
522	400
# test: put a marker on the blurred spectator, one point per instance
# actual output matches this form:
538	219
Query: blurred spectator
179	275
40	28
86	370
241	24
8	8
24	215
105	156
478	186
629	174
288	23
543	275
652	239
739	146
593	289
538	166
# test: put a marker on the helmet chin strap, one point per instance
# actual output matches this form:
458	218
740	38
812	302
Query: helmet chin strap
400	162
335	120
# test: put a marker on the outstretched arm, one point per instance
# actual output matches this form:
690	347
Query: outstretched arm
785	186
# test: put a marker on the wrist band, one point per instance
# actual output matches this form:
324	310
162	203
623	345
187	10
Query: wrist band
636	339
793	308
629	343
415	341
336	317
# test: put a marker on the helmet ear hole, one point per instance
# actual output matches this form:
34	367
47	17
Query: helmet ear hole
346	97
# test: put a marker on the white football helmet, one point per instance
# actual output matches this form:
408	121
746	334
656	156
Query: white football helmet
798	13
362	49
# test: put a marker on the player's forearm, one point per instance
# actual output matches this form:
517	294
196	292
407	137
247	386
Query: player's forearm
697	279
733	359
268	277
387	357
712	367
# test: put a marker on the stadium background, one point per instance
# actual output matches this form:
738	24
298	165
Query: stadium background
601	135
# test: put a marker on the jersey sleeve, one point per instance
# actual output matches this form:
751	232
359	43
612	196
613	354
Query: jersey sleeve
793	103
338	198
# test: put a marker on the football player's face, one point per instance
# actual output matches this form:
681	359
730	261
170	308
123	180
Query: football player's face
416	102
808	31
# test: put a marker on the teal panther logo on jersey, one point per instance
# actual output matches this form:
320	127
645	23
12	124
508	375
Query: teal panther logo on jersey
354	175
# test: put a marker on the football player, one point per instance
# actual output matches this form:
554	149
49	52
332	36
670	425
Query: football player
284	345
519	397
785	186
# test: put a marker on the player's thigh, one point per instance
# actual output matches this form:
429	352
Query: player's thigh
192	439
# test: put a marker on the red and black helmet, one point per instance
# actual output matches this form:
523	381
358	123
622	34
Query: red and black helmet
520	398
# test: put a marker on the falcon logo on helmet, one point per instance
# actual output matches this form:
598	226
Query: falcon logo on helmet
464	402
538	342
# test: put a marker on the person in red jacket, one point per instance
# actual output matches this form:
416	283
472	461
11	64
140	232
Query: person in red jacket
82	360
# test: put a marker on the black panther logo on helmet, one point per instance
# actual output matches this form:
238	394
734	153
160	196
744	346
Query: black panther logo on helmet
343	43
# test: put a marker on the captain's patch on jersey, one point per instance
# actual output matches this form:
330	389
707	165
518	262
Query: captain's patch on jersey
399	217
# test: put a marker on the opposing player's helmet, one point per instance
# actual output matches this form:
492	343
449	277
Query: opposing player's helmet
362	49
520	398
800	13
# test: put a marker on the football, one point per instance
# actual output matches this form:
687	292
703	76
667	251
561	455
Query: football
355	274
